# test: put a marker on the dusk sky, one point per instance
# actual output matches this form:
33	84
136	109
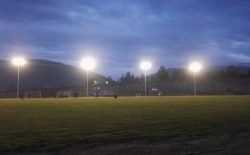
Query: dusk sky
120	33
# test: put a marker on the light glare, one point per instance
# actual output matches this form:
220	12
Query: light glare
145	65
195	67
88	63
19	61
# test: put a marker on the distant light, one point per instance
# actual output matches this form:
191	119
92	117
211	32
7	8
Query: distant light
88	63
145	65
107	82
18	61
195	67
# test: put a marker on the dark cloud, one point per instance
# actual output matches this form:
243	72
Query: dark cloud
121	32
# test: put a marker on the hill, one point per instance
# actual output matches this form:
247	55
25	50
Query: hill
43	73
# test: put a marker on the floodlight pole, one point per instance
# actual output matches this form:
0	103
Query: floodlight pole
194	83
145	89
87	91
18	82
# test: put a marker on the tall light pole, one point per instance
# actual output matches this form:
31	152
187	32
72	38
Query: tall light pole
19	62
195	67
88	64
145	66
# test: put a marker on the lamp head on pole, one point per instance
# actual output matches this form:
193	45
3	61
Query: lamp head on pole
145	65
195	67
88	63
19	61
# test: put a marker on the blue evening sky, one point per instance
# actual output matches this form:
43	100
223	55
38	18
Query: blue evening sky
120	33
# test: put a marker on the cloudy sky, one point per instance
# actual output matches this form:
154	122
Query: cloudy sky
119	33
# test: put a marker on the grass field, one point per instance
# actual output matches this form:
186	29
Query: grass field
54	124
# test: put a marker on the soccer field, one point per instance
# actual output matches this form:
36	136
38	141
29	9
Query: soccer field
54	124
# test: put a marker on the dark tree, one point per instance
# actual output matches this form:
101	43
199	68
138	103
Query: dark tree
162	74
232	71
179	74
248	73
128	78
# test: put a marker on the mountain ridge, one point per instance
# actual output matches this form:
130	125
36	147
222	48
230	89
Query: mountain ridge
44	73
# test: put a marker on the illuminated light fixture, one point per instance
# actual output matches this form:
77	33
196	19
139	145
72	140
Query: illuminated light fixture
88	64
145	66
195	67
19	62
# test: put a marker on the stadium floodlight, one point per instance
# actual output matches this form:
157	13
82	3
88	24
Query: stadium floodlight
195	67
88	64
19	62
145	66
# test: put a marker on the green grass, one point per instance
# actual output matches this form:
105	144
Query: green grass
58	123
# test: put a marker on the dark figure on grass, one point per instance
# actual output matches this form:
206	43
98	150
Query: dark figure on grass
76	95
97	91
21	97
115	95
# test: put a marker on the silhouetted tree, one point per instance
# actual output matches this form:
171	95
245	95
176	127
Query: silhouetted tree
128	78
232	71
121	79
162	74
248	73
179	74
216	75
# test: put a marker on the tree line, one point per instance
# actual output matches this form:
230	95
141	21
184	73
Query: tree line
229	80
